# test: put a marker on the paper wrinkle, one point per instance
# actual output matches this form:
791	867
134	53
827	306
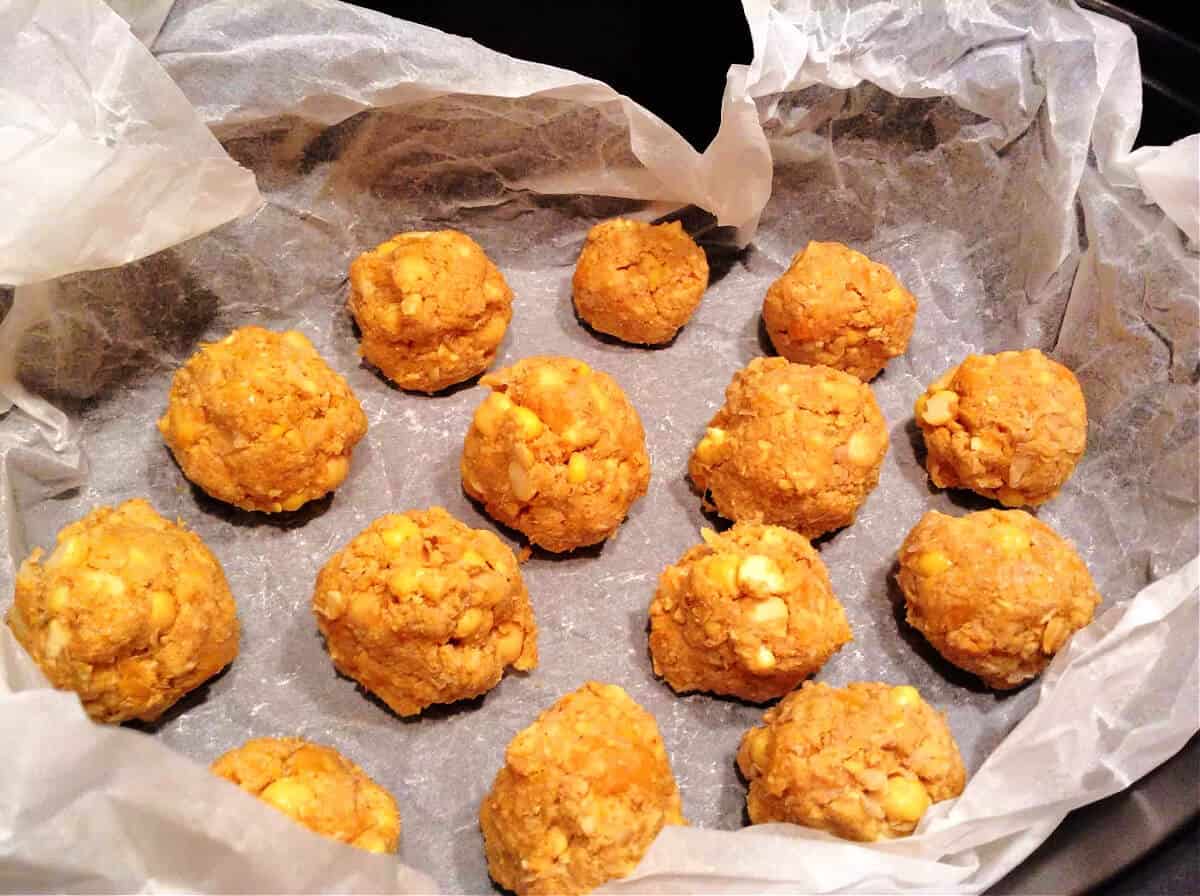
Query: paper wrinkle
1170	178
145	17
381	62
971	187
105	161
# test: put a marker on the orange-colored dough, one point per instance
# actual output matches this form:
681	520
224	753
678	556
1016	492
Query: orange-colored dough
750	612
863	762
837	307
556	452
997	592
1010	426
260	421
130	611
583	792
316	786
432	308
793	445
639	282
420	609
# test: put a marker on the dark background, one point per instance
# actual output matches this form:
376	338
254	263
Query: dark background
672	58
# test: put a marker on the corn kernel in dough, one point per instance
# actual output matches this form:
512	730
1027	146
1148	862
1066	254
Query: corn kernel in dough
557	452
997	592
862	762
837	307
129	611
583	792
420	609
1010	426
260	421
432	308
316	786
639	282
749	613
793	445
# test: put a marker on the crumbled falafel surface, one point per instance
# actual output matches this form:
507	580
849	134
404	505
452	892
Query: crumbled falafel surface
420	609
556	451
130	611
583	792
997	592
260	421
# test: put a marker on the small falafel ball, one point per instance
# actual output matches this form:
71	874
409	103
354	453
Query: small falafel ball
997	592
583	792
750	612
639	282
1010	426
260	421
432	308
419	609
835	306
556	451
316	786
130	611
793	445
863	762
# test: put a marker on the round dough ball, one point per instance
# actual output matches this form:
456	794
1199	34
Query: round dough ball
419	609
130	611
583	792
260	421
557	452
316	786
749	613
793	445
836	307
997	592
639	282
432	308
862	762
1010	426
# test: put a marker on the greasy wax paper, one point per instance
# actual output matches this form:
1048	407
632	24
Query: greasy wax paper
982	154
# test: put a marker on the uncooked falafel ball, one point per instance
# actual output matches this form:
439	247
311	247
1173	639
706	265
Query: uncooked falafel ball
130	611
556	451
420	609
260	421
432	308
639	282
1010	426
997	592
862	762
749	612
793	446
837	307
583	792
316	786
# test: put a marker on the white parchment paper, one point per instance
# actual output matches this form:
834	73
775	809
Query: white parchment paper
982	153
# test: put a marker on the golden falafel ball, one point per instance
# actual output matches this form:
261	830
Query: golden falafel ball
750	613
1010	426
862	762
639	282
837	307
432	308
557	452
793	446
130	611
316	786
419	609
583	792
997	592
260	421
